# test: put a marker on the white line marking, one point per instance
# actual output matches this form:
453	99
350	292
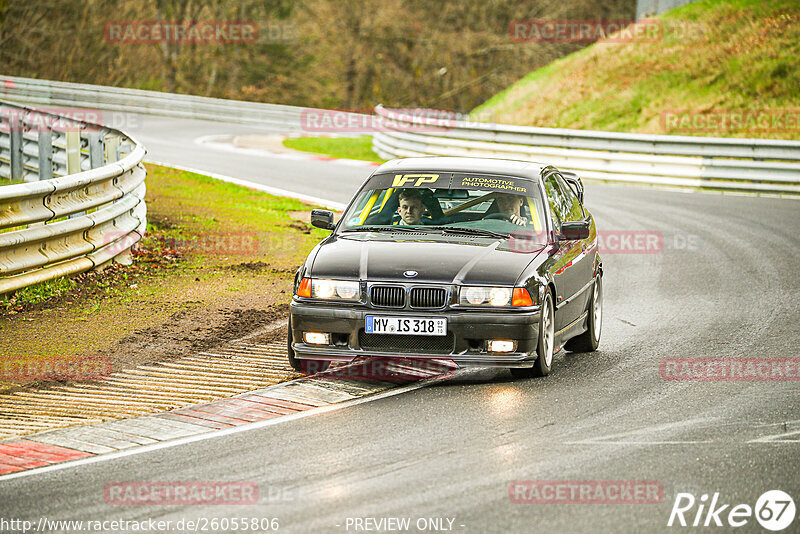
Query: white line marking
224	143
589	442
218	433
602	440
777	438
689	189
253	185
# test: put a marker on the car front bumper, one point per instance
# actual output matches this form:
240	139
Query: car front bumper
468	329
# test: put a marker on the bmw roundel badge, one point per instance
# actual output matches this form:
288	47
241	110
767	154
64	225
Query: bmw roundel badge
410	274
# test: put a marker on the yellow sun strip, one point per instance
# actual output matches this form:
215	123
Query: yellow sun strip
388	194
367	208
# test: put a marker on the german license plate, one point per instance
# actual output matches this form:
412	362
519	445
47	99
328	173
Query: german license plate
416	326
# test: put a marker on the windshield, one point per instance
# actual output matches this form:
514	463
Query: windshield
448	202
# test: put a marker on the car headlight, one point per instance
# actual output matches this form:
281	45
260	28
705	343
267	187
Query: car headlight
485	296
335	289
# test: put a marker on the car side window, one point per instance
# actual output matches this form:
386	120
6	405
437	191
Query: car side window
572	209
556	199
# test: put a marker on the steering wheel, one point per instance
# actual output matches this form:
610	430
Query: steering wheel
430	202
501	216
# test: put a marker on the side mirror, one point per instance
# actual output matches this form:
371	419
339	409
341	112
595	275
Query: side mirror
575	230
322	219
575	181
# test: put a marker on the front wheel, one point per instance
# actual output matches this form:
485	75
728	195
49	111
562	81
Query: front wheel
589	340
307	367
544	349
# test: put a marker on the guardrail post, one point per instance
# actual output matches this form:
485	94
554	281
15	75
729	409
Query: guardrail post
111	146
73	141
123	150
45	154
95	150
15	135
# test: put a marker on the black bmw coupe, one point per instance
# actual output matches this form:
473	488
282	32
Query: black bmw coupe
480	261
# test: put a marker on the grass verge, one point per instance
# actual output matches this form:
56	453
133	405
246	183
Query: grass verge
218	261
728	69
359	148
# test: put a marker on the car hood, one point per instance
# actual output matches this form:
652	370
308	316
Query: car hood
436	259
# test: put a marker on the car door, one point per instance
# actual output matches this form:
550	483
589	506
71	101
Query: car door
583	262
564	263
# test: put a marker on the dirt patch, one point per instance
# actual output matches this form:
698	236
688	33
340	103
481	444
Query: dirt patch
260	267
188	332
251	266
276	334
162	222
300	227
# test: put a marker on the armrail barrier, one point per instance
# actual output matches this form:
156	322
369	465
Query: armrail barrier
732	164
75	200
289	119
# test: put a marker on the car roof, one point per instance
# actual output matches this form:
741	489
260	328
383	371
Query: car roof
525	169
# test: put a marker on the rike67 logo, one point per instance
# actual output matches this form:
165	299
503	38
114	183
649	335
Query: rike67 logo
774	510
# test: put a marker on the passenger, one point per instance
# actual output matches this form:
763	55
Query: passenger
410	207
510	205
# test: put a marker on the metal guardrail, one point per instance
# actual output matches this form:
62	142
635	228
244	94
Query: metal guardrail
81	204
756	165
289	119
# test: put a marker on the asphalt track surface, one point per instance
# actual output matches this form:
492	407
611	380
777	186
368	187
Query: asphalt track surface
167	141
724	284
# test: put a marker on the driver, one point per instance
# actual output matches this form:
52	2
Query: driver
410	207
510	205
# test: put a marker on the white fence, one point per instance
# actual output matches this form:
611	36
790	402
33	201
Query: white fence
80	201
756	165
289	119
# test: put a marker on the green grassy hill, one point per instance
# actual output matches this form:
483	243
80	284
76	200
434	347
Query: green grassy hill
719	68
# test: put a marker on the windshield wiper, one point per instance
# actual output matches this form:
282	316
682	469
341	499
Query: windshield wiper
422	229
467	231
383	229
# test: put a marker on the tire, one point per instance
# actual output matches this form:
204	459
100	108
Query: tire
307	367
544	348
589	340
